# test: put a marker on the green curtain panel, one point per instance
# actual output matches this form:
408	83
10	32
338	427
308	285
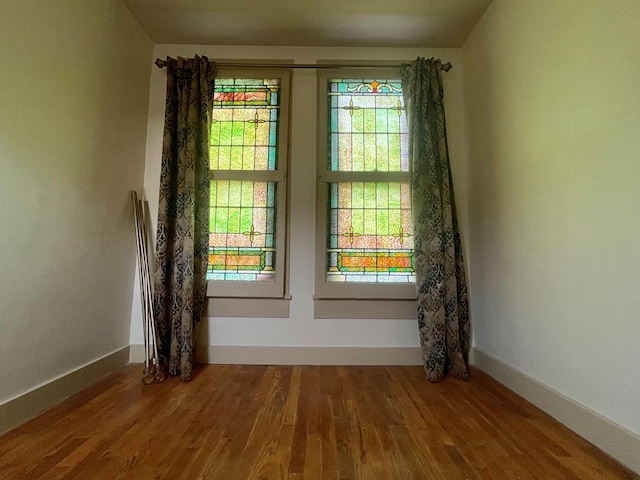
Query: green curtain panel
443	308
183	212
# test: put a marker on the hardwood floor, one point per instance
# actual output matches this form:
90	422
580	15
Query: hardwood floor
256	422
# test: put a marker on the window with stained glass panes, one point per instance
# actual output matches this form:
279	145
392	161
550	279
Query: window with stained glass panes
370	233
243	152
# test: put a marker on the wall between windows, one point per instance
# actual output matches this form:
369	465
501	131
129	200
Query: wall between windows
553	112
301	329
73	96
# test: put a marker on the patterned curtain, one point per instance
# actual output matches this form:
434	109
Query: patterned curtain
443	308
183	212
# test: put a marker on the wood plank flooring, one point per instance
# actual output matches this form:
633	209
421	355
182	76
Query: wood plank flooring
299	423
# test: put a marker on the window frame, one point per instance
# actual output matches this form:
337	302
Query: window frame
326	290
276	289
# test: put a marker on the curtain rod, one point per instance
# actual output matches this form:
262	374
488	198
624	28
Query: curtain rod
163	63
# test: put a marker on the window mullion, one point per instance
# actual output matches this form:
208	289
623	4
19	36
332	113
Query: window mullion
338	177
248	175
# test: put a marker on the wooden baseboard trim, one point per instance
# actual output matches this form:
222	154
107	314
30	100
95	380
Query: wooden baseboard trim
26	406
613	439
289	355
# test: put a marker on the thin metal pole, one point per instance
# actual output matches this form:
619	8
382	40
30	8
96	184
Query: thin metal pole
318	66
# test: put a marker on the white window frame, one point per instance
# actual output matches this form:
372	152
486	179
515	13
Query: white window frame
345	293
231	290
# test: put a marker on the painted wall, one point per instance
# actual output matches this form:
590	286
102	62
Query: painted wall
74	79
553	119
301	329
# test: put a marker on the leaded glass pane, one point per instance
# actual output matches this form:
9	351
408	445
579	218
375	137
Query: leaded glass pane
242	226
244	128
370	233
367	126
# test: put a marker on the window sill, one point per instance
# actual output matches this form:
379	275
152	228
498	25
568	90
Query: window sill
248	307
398	309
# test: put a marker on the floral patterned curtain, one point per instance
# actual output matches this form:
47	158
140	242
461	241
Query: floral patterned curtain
183	212
443	308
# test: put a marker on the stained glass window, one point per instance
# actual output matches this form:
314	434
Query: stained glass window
244	125
244	138
370	235
242	226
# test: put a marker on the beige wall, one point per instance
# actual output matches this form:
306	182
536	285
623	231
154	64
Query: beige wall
301	329
74	79
552	105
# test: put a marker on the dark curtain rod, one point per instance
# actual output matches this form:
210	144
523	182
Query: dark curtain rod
162	63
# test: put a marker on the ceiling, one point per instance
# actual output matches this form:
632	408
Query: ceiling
389	23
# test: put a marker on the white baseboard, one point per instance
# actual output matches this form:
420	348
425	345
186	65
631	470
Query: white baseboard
26	406
289	355
615	440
